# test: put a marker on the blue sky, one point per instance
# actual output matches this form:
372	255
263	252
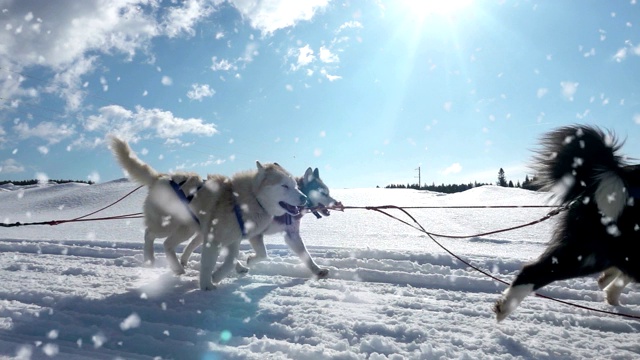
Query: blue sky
367	91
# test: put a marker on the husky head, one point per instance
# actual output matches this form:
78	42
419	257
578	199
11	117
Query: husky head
277	191
317	191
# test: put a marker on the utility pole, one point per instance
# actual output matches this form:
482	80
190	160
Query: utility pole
419	183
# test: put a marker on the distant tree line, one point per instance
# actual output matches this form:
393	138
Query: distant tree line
447	189
34	181
528	184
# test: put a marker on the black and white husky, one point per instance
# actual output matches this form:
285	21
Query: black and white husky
601	227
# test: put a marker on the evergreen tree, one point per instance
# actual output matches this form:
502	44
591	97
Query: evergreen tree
502	180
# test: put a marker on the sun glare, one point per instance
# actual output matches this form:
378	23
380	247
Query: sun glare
423	8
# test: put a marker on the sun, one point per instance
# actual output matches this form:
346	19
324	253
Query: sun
424	8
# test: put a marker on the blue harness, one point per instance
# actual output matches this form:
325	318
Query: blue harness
238	212
186	200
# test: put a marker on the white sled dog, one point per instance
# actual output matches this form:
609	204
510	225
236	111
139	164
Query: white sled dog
221	210
319	197
599	229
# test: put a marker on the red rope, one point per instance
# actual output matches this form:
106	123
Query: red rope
83	217
108	206
419	227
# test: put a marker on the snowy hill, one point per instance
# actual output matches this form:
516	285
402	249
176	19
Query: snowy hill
80	290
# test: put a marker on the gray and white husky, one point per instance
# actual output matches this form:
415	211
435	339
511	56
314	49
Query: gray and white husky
221	210
319	198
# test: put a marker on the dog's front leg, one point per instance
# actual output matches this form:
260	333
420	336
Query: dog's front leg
294	241
614	289
208	257
227	264
257	243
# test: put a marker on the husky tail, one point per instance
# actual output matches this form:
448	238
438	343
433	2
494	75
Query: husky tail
138	171
582	161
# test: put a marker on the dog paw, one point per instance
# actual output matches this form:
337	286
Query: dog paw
240	269
322	273
207	287
178	272
149	262
498	309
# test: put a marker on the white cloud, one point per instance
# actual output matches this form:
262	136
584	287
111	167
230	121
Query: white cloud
304	57
350	25
329	76
10	166
636	118
624	52
130	124
67	42
182	19
326	56
166	81
198	92
271	15
222	65
43	150
52	132
542	92
569	89
453	169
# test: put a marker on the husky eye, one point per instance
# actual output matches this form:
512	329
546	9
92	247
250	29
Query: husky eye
285	186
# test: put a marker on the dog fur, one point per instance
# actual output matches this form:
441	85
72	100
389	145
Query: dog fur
318	194
260	194
599	230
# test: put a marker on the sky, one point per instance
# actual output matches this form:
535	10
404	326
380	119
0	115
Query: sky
367	91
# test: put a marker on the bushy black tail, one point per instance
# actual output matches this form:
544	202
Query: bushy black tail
581	160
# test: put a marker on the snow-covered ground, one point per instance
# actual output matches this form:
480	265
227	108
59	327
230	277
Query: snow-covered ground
80	290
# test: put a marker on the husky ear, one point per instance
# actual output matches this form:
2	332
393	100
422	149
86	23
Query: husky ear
308	176
316	173
257	180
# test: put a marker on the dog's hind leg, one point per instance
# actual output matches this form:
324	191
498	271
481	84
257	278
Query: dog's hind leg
560	262
181	234
228	263
149	238
193	244
294	241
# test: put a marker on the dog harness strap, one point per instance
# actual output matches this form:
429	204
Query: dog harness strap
238	211
184	198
